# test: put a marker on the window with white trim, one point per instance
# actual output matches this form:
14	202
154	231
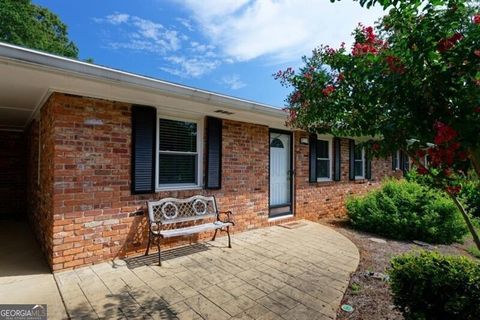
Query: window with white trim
359	163
324	159
397	160
179	157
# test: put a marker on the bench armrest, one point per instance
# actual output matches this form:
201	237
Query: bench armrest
155	227
228	218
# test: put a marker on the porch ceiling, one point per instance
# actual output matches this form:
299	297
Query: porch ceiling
29	77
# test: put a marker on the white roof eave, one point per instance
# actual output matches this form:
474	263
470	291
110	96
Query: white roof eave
78	68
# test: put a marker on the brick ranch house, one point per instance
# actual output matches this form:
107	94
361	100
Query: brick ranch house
83	147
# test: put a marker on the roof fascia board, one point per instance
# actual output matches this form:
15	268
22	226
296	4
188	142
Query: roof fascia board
79	68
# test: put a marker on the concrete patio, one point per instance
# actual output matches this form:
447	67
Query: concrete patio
299	272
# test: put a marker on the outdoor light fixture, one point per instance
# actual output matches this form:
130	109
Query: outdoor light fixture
223	112
93	122
304	140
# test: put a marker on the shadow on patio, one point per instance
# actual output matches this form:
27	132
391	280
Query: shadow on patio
124	305
152	258
270	273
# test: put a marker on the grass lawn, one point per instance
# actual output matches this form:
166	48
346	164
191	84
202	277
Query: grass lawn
369	296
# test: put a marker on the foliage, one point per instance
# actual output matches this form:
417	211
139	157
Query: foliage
470	196
407	211
432	286
356	288
33	26
395	3
469	193
413	81
414	176
474	252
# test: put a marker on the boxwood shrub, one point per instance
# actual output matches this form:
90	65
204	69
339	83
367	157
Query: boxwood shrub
429	285
470	196
407	211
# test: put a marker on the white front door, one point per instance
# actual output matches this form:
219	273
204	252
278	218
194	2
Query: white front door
280	174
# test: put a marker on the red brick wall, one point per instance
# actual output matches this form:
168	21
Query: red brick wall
12	174
93	208
94	212
39	184
319	200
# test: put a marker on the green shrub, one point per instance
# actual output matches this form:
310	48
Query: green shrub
473	250
407	211
432	286
413	176
470	196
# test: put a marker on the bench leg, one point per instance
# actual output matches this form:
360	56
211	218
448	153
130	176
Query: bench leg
228	234
148	245
214	235
159	254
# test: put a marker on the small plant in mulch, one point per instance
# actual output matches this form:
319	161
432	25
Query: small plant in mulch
355	288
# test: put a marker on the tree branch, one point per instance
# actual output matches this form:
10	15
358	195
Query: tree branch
467	219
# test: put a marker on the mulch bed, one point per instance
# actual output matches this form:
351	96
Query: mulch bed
370	297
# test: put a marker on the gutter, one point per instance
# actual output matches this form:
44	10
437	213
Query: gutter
84	69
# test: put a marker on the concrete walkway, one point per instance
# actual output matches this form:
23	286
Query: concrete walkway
274	273
24	275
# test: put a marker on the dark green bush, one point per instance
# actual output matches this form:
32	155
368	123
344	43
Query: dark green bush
432	286
470	196
407	211
413	176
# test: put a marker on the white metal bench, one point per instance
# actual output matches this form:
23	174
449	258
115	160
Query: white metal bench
172	217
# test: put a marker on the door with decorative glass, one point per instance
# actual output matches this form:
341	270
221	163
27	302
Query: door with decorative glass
280	174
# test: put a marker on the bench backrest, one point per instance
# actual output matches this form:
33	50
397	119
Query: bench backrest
173	210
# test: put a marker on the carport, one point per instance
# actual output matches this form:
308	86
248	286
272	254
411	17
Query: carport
23	267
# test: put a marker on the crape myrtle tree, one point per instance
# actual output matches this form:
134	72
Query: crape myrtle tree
410	83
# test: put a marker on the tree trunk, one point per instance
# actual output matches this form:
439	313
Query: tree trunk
470	226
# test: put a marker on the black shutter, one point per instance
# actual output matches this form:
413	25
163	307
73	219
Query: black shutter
407	162
368	166
144	120
351	152
394	160
313	158
404	163
401	161
337	174
214	153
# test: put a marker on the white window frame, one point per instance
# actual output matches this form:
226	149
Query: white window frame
363	165
397	162
200	132
329	139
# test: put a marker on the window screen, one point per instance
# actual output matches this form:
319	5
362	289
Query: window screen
323	159
359	159
178	156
